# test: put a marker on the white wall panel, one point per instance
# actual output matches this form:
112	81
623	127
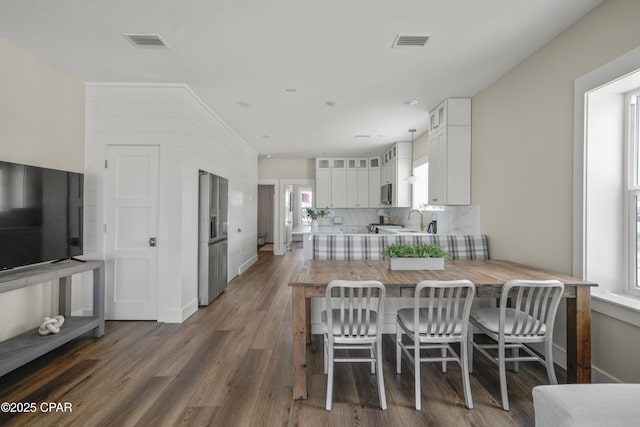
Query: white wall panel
191	137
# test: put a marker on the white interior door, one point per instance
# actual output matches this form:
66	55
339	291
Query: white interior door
131	231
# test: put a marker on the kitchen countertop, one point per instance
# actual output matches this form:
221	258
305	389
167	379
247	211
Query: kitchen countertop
411	231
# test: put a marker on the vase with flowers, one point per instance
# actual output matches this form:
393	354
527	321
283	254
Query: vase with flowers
315	215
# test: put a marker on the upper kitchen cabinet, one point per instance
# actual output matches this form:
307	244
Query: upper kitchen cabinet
358	183
396	168
374	183
331	183
450	153
355	182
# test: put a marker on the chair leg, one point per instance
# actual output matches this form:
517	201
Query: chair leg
503	377
470	350
380	373
515	351
548	360
443	353
326	355
464	347
398	350
372	354
330	380
416	373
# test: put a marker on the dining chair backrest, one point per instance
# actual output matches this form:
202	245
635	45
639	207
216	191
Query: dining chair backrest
533	305
442	308
355	306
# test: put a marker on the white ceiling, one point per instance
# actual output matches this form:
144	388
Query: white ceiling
233	52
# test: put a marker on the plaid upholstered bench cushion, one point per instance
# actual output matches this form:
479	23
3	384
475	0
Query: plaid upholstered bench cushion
370	246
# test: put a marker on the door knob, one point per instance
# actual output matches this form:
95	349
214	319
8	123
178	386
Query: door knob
152	241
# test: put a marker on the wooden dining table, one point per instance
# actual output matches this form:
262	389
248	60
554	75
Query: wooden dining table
487	275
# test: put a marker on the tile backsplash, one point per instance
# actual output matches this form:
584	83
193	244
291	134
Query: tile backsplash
451	219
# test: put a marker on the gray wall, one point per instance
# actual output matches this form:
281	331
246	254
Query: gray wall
522	161
42	124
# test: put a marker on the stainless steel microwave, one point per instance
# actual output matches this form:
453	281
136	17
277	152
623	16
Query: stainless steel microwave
386	194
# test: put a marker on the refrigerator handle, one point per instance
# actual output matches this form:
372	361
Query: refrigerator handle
213	227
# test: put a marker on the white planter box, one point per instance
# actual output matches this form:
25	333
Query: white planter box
416	263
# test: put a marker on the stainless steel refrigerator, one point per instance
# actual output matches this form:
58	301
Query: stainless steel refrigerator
212	230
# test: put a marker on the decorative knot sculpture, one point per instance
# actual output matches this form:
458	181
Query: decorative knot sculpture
51	325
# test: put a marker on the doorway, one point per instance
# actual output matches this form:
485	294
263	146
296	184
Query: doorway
266	195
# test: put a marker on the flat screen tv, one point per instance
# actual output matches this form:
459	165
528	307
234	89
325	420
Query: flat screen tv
40	214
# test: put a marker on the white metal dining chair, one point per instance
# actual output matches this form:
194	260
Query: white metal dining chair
442	318
354	324
526	315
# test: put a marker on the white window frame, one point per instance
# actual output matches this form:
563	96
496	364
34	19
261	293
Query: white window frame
632	190
610	298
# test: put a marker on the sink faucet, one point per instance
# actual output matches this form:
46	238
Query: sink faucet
421	218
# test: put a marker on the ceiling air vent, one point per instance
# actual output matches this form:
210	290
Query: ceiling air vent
147	40
410	40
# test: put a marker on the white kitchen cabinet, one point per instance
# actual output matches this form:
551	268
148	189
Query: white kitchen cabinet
387	172
358	182
358	188
374	182
331	183
358	163
338	188
355	182
450	153
322	196
396	168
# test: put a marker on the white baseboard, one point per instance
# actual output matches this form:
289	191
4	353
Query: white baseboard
177	315
189	309
244	267
600	376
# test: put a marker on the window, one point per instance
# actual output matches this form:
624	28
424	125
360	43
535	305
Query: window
633	190
420	189
306	201
607	185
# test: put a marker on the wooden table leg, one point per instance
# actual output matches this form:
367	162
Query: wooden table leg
307	320
579	336
299	326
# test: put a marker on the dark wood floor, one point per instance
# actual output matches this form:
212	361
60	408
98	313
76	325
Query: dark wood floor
230	365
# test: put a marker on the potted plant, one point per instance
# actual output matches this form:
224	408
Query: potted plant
315	215
423	256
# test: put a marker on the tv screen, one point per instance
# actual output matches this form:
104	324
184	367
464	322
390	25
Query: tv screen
40	214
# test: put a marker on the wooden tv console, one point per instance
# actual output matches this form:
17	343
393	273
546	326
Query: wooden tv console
25	347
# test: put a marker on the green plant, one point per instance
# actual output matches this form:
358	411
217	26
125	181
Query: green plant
317	213
421	250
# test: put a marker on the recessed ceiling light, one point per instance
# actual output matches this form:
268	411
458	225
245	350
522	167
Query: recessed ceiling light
245	104
410	102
